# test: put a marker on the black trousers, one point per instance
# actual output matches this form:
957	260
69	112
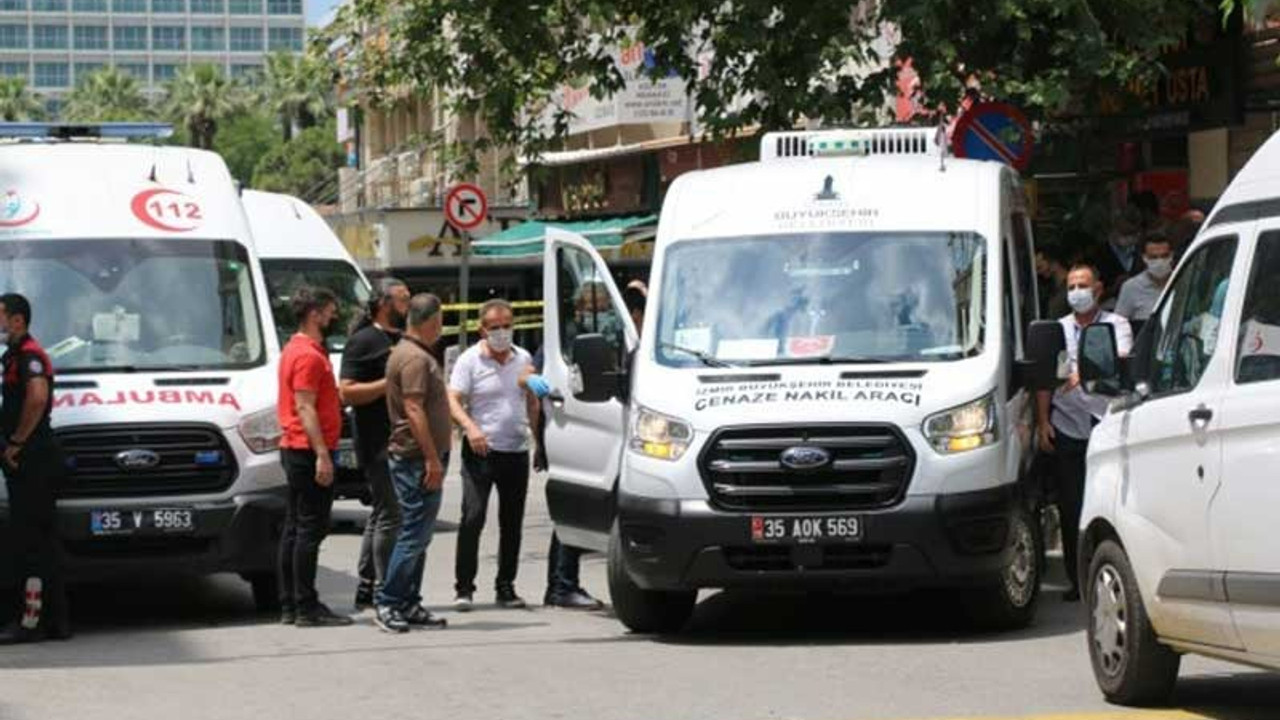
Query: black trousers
33	490
306	523
509	472
1069	457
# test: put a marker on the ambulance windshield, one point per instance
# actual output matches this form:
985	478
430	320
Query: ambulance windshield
138	305
823	298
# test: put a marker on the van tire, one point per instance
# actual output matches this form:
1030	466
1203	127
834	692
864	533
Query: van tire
1131	665
266	591
1010	602
644	611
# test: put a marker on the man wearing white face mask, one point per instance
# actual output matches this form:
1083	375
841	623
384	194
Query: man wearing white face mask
495	412
1139	294
1065	417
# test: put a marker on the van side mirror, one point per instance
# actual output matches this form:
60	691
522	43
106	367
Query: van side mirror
1045	344
596	364
1100	369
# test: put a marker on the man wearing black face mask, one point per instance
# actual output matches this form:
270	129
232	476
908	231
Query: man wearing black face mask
363	386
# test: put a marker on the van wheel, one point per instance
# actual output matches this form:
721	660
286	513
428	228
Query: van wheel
1010	603
1131	666
266	591
644	611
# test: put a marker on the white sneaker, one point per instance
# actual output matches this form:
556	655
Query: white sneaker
463	603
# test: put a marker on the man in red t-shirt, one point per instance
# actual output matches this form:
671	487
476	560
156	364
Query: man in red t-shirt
311	423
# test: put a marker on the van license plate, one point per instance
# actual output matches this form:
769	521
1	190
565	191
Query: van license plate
141	522
805	530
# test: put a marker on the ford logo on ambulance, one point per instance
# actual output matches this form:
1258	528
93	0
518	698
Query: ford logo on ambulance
137	459
805	457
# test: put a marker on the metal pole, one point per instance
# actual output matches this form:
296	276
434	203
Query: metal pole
464	289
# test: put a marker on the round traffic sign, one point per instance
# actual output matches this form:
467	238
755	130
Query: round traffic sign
994	131
465	207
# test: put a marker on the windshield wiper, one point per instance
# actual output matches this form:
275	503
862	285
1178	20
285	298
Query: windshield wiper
823	360
705	358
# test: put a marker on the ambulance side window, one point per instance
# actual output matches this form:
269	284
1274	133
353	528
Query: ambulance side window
1024	257
1259	343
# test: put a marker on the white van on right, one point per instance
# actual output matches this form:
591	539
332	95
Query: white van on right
1179	552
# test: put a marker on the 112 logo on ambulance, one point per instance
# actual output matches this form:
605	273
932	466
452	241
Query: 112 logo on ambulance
167	210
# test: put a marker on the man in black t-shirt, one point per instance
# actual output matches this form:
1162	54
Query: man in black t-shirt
363	385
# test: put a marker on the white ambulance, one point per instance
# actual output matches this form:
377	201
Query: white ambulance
148	296
824	394
297	247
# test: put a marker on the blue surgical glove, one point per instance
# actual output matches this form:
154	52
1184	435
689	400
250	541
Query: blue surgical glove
538	385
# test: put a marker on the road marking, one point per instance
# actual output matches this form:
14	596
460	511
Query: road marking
1100	715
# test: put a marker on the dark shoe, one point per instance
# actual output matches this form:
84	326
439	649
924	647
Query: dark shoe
364	597
1071	596
288	616
322	617
464	602
508	599
419	618
389	620
576	600
15	634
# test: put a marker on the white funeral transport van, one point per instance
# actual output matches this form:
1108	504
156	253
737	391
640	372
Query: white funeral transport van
147	294
824	393
1178	534
297	247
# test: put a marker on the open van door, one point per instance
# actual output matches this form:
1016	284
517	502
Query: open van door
586	429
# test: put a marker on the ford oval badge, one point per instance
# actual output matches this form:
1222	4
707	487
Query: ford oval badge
805	457
137	459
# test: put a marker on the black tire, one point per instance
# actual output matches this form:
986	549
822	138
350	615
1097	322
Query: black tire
1010	603
644	611
266	591
1131	666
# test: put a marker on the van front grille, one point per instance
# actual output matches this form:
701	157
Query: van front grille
112	461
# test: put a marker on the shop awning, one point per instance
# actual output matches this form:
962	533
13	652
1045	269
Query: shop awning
527	237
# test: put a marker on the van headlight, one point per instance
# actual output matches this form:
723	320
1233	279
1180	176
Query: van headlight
261	431
963	428
659	436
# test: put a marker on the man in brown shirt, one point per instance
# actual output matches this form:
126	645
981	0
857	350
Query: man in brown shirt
418	406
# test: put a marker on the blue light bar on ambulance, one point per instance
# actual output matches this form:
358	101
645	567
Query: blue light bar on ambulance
74	131
834	143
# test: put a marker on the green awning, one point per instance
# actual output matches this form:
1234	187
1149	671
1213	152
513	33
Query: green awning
527	237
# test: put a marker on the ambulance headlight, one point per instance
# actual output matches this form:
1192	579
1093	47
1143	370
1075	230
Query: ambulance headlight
963	428
261	431
659	436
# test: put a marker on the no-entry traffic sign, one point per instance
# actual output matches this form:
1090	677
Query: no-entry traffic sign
994	131
465	207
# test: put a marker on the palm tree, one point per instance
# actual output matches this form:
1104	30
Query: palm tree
298	89
107	95
17	102
199	98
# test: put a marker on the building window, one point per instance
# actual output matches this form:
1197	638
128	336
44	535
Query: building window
84	70
208	39
49	37
245	39
284	7
13	37
164	73
91	37
52	75
13	5
245	7
284	39
166	37
49	5
129	6
207	7
130	37
246	72
14	69
169	7
137	71
89	6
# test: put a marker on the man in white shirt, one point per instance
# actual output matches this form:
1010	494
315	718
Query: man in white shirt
495	412
1065	417
1139	293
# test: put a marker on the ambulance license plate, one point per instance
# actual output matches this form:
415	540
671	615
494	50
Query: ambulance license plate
167	521
802	530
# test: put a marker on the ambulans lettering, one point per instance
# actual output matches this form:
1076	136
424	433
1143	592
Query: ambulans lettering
900	392
147	397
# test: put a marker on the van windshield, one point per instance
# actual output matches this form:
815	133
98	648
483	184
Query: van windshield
285	275
823	298
134	305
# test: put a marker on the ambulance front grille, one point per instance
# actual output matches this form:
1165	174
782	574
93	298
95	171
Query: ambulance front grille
137	460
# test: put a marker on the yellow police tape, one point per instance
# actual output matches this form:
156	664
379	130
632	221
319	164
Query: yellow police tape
518	305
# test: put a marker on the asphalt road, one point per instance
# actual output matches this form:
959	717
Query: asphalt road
193	648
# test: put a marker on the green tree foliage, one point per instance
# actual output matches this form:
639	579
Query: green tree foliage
200	98
298	89
306	166
244	139
17	102
107	95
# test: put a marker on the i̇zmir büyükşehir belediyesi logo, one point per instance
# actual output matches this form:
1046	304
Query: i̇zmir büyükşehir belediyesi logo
16	210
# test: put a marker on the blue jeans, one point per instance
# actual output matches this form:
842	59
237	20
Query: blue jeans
402	588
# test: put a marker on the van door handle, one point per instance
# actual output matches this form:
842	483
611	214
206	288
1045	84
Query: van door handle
1200	416
557	400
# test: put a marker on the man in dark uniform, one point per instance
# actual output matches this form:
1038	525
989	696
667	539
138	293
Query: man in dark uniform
34	469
